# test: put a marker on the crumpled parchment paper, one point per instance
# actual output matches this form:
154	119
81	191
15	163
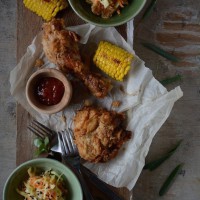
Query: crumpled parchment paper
147	102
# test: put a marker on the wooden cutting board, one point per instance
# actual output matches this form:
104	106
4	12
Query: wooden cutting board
28	25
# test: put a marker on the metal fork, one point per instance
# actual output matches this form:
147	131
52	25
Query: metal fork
42	131
72	157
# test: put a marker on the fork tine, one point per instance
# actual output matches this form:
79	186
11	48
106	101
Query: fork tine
69	142
71	136
70	123
48	131
36	132
65	143
60	142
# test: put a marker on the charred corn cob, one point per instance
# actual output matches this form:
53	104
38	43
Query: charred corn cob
47	9
112	60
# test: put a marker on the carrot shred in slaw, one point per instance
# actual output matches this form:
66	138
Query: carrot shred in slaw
48	185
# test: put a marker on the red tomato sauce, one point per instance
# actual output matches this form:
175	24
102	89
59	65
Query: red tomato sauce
49	91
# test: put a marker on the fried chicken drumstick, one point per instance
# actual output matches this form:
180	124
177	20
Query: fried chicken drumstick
61	47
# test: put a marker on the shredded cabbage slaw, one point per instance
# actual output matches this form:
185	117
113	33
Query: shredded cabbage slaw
48	185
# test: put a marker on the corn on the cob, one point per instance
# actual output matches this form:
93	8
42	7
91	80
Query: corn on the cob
112	60
47	9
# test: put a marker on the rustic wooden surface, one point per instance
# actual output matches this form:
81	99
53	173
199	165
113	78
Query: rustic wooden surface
28	25
174	26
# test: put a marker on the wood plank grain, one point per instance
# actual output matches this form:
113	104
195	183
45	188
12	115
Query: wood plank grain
174	37
178	26
178	16
28	25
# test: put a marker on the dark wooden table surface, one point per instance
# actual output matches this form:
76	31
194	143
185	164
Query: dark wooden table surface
174	26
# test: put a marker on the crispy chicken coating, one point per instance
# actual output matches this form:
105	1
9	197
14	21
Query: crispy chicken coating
61	47
99	133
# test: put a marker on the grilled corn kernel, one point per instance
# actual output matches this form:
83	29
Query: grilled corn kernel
112	60
47	9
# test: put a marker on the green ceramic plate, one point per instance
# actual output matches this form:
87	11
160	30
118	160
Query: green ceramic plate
20	174
83	10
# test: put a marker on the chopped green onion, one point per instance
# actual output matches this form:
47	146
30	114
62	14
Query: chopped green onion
170	179
156	163
160	51
171	80
147	12
149	9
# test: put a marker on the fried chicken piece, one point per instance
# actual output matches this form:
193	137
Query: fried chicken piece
99	133
61	47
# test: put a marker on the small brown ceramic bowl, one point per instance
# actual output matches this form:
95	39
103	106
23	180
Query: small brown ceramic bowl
32	94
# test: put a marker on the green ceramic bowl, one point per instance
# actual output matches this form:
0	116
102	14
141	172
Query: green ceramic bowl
20	174
83	10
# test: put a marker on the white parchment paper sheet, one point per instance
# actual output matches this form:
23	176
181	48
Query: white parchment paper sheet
146	101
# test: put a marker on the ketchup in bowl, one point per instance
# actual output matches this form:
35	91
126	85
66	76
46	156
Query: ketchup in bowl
49	91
